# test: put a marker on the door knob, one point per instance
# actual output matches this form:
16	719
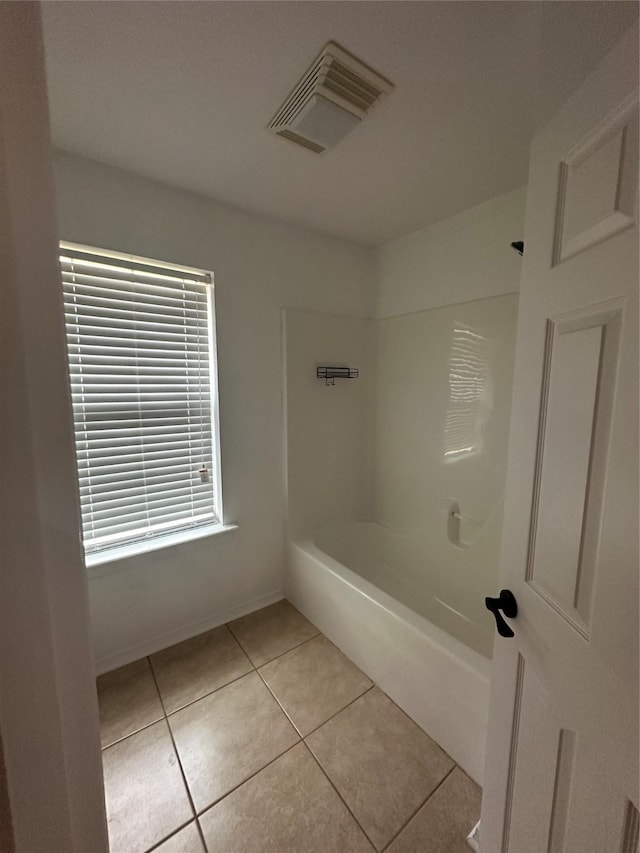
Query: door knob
507	604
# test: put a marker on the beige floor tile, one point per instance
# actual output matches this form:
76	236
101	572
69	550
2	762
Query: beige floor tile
198	666
228	736
272	631
381	763
186	841
287	808
145	794
313	682
128	701
445	820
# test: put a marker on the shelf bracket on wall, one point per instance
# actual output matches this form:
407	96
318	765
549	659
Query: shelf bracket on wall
330	374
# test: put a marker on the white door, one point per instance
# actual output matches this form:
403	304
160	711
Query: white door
562	758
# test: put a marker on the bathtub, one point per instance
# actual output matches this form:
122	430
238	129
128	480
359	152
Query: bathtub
354	582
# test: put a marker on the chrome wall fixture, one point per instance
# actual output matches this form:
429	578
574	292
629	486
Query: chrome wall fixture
330	374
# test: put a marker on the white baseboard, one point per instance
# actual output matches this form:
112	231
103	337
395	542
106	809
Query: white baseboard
185	632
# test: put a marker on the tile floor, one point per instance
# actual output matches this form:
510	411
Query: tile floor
261	736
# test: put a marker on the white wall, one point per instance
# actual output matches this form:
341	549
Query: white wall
462	258
328	427
260	266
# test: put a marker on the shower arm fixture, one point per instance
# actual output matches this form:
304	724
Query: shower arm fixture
330	374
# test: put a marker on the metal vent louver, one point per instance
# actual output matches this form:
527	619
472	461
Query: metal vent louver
332	97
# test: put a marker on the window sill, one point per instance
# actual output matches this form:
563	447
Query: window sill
122	552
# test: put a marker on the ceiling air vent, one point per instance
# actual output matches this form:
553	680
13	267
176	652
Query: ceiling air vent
333	96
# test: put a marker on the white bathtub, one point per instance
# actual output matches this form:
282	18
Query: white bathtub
347	581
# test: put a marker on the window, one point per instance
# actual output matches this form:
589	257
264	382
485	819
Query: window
140	339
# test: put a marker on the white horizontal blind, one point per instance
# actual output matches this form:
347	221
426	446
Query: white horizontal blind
139	340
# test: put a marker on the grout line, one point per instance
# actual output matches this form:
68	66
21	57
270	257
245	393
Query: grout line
364	692
286	713
244	781
167	837
201	834
373	685
342	799
254	668
130	734
227	625
282	654
146	725
297	646
422	804
301	739
197	813
304	737
411	720
166	714
324	772
175	747
209	693
233	634
276	758
280	705
455	764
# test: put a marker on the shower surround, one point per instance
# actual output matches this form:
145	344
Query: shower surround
394	500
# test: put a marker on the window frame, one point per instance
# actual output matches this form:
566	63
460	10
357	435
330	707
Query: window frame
119	551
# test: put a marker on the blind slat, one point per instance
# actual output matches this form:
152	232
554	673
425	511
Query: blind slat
104	487
115	478
158	528
112	285
160	508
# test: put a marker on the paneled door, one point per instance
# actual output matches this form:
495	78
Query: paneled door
562	759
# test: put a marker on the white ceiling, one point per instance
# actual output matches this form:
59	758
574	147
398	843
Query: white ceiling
182	91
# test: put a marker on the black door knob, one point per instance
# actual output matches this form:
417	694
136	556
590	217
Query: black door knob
507	604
